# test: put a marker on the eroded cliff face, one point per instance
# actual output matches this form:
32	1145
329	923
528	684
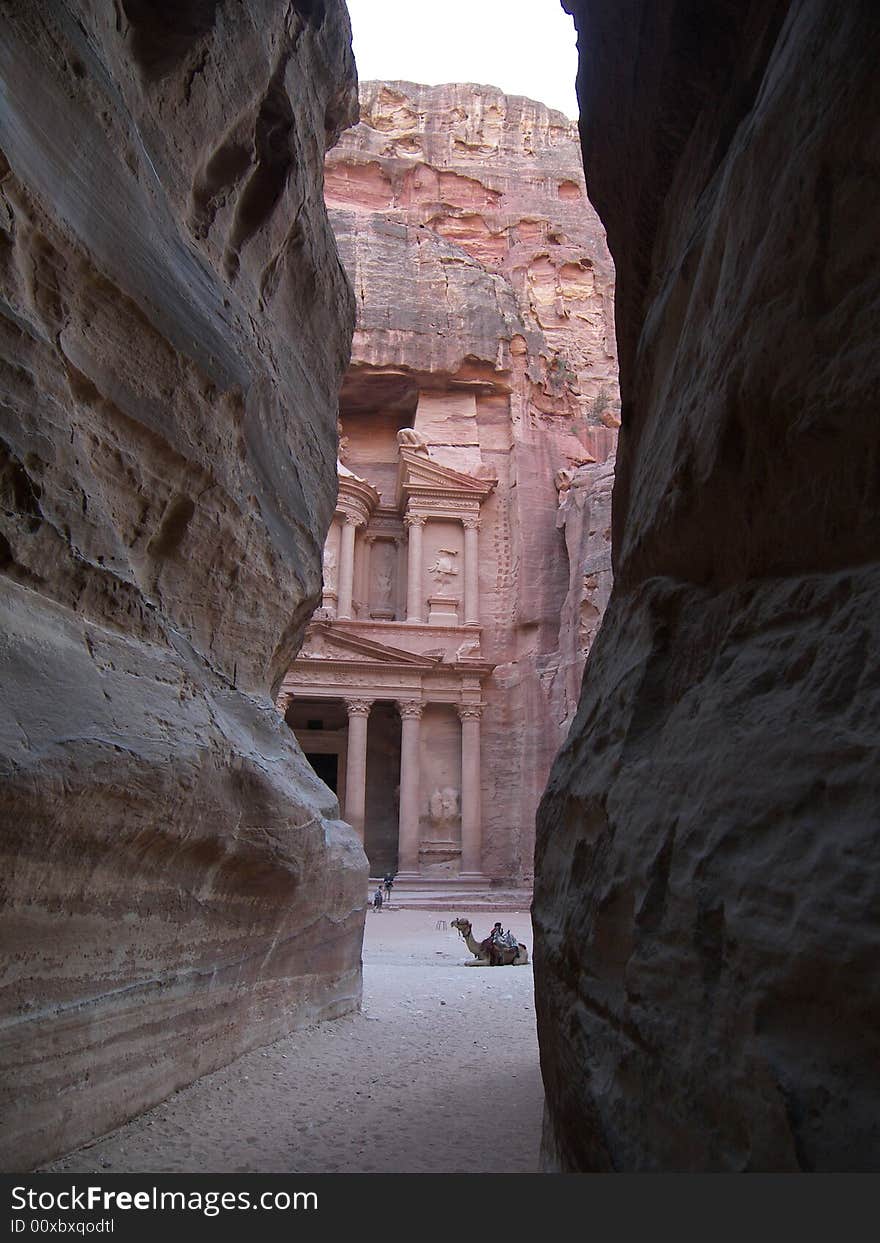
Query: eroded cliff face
584	518
490	252
173	327
707	856
485	310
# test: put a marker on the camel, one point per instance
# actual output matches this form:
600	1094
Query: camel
485	953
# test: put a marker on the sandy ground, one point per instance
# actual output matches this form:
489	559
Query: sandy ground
437	1074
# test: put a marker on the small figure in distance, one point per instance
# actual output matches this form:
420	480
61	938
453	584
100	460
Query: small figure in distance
493	943
388	882
377	899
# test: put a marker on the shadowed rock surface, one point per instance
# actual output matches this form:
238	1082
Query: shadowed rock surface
707	862
173	327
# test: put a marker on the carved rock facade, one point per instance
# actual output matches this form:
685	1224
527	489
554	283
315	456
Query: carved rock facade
173	328
483	362
708	878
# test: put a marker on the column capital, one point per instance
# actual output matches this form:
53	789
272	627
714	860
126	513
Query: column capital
471	522
358	707
353	520
283	702
469	712
415	520
410	708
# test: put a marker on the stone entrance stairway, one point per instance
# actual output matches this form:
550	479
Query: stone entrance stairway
451	895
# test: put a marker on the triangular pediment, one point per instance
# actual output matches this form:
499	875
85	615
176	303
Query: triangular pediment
324	642
418	471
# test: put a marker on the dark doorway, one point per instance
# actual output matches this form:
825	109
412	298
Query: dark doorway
327	768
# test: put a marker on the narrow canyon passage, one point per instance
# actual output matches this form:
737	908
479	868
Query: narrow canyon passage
324	403
437	1074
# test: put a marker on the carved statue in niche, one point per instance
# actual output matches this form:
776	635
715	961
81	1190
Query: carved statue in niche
313	646
383	584
382	573
562	480
444	568
409	438
342	451
573	486
443	806
330	566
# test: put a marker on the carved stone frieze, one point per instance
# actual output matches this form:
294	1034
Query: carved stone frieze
356	500
445	566
431	506
443	806
323	677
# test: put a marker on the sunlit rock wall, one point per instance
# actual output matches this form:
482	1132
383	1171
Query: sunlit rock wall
173	327
707	897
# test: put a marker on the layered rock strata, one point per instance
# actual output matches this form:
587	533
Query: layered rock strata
173	328
708	879
485	323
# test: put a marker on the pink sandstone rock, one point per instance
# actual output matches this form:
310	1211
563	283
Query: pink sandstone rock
463	218
584	517
485	324
708	881
173	327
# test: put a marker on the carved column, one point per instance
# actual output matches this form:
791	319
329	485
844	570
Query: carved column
283	702
356	764
471	812
399	603
414	523
471	571
410	777
346	566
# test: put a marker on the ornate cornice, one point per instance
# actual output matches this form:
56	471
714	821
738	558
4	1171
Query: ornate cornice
424	477
356	500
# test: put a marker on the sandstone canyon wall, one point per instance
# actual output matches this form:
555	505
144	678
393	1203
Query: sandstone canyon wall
484	293
708	885
173	328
